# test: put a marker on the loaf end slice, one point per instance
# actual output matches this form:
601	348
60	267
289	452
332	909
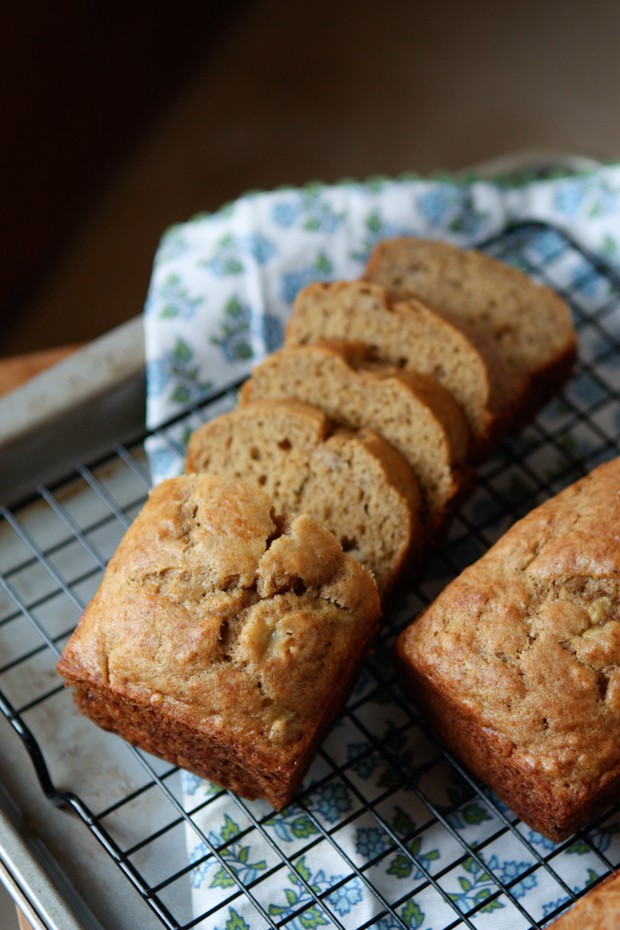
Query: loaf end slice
529	323
352	482
410	336
517	662
223	638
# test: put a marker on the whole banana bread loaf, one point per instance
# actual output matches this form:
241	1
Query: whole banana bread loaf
223	638
517	662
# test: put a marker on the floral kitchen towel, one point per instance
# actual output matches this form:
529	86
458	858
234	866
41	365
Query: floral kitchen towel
223	284
386	833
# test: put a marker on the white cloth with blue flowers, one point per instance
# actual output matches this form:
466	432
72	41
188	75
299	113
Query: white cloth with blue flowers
223	284
221	291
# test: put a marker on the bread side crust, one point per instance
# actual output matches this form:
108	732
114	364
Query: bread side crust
164	730
490	757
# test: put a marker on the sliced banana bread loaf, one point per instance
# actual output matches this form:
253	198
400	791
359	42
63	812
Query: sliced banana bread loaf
517	662
223	638
530	324
413	412
352	482
410	336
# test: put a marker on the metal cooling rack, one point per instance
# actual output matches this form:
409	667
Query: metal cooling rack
388	831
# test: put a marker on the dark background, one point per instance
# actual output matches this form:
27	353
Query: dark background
120	119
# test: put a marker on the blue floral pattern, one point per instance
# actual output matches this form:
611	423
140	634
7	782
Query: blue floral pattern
321	269
359	845
241	329
297	897
451	208
331	801
475	887
309	209
376	228
370	842
292	824
232	252
177	374
237	861
592	197
171	300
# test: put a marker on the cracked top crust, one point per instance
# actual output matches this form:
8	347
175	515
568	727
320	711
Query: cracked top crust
230	618
527	640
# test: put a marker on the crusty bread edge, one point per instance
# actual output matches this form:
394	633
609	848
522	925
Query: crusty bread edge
489	756
166	732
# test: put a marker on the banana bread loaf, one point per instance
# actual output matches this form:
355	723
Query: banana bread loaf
530	324
411	411
223	638
599	909
352	482
410	336
517	662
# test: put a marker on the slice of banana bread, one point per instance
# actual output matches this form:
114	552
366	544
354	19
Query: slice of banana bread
223	638
352	482
411	411
530	324
517	662
410	336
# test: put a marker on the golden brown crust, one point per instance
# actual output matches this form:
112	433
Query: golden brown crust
222	638
517	662
599	909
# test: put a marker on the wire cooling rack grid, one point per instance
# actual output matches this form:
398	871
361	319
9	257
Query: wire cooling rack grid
388	831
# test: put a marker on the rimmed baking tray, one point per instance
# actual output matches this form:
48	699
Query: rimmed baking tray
388	830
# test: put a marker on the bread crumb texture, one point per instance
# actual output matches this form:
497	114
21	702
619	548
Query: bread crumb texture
524	646
530	324
353	483
410	336
234	623
410	410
